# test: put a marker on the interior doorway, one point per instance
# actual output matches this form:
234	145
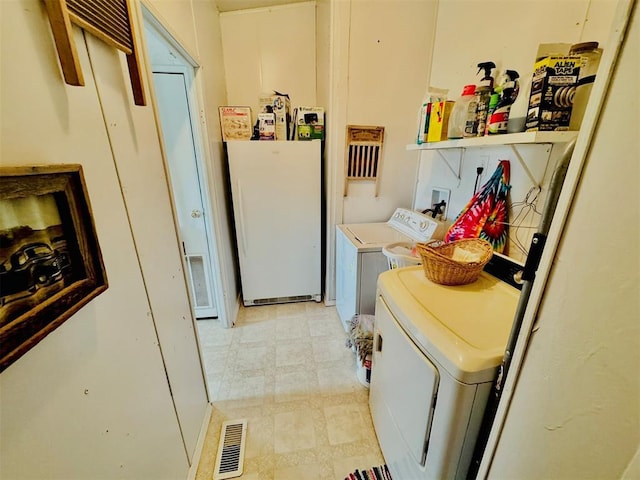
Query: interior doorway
173	79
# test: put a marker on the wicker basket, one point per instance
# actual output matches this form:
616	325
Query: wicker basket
440	267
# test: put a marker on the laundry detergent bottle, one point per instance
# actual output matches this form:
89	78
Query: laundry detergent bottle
460	112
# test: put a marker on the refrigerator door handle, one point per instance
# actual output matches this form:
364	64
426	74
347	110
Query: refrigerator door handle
241	211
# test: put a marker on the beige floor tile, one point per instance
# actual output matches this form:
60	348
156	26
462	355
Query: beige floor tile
346	423
292	353
295	385
292	328
313	471
215	360
323	326
264	331
293	431
260	432
251	358
291	309
327	349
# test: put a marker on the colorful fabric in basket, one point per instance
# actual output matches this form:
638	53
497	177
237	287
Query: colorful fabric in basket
486	215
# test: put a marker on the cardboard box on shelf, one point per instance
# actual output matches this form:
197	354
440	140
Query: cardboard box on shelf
310	123
439	120
267	126
235	123
552	89
280	106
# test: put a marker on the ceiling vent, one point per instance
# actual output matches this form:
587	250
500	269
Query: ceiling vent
363	156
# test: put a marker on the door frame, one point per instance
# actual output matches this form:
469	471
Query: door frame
204	193
190	68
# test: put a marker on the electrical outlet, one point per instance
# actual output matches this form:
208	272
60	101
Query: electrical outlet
439	195
483	161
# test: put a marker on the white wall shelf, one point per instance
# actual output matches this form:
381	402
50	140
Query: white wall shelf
494	140
512	140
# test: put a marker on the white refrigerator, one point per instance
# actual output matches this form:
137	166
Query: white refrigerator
276	192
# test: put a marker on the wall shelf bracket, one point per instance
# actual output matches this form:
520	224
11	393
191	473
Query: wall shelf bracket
516	152
456	172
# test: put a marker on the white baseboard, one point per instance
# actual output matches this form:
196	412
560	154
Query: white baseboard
195	461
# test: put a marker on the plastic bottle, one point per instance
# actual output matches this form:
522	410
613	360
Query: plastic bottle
483	92
493	103
458	117
590	54
423	122
499	119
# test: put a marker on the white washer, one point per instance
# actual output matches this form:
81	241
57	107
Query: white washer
436	353
359	257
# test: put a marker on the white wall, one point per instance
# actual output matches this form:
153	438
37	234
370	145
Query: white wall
574	413
114	390
389	59
267	49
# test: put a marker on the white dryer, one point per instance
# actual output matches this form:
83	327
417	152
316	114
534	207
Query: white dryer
436	353
359	257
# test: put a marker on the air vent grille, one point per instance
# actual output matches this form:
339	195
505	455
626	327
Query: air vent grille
268	301
229	461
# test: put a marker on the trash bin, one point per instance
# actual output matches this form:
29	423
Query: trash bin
361	342
401	254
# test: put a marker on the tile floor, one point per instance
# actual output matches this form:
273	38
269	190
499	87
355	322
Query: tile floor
285	368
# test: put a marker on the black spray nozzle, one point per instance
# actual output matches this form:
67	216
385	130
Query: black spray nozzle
486	66
512	74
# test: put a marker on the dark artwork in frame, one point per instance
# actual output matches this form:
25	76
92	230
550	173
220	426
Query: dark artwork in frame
50	261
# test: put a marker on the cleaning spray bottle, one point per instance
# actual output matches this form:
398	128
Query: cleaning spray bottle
476	122
508	90
483	95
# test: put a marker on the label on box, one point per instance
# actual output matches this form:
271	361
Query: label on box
552	89
439	120
267	126
235	123
280	106
310	123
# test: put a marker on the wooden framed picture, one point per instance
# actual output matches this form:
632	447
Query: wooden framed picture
50	261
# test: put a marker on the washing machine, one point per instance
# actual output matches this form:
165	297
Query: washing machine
359	257
435	356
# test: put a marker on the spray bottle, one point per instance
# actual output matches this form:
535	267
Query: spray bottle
483	92
508	93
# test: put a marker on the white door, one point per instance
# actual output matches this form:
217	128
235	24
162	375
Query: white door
402	395
177	129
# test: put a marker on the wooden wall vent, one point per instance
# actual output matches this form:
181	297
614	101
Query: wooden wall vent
110	21
363	156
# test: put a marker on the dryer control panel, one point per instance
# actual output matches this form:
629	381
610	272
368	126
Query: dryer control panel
416	225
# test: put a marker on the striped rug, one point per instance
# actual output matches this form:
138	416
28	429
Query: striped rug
373	473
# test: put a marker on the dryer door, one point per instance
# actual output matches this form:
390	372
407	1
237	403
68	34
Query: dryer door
403	388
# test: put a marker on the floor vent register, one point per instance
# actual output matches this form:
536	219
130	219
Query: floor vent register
231	450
